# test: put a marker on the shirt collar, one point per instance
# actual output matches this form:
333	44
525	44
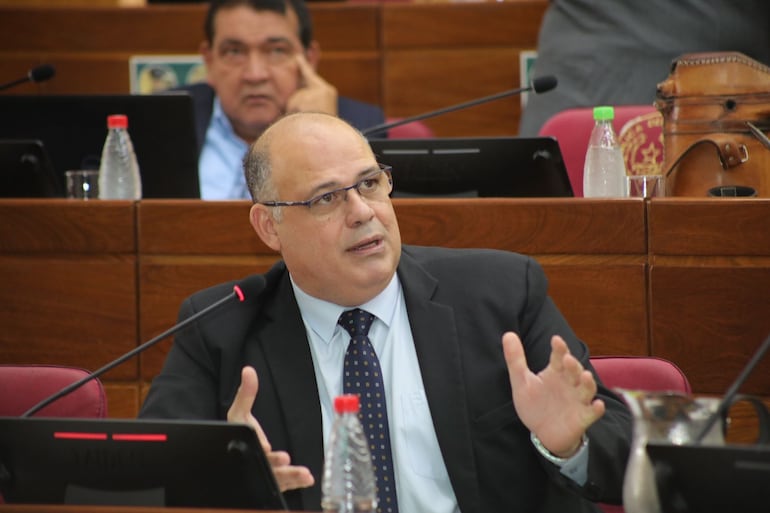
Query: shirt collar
221	121
321	316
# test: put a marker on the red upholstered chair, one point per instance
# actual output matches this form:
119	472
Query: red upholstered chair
23	386
572	128
638	373
413	130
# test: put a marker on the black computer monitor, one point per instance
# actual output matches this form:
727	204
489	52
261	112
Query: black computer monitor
135	462
475	166
73	128
711	479
26	171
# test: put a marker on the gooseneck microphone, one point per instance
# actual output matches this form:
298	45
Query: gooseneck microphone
246	289
39	73
538	85
727	400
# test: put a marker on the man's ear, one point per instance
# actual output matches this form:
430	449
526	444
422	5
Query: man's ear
208	56
263	222
313	54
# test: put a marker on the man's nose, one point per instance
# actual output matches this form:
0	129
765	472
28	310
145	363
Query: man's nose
256	67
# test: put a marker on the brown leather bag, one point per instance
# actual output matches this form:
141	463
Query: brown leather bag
716	117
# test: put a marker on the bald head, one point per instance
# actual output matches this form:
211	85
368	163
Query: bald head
302	135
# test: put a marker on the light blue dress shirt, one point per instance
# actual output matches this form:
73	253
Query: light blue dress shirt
422	481
220	166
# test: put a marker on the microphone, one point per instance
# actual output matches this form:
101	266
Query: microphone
39	73
246	289
538	85
724	405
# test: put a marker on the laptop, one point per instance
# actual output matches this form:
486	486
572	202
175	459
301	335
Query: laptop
72	129
711	479
135	462
26	170
475	166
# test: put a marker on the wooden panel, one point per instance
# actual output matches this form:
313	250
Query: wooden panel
65	226
355	75
78	311
350	27
414	25
531	226
605	303
193	227
123	399
154	29
688	226
422	81
709	319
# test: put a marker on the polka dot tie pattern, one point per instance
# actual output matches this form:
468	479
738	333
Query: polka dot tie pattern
362	376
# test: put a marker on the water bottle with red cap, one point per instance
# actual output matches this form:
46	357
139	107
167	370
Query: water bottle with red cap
348	484
119	176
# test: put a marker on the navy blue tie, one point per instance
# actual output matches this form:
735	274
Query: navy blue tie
362	376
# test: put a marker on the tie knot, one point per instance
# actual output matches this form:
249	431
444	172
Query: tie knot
356	322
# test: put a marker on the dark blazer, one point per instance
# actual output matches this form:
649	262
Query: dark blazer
359	114
459	303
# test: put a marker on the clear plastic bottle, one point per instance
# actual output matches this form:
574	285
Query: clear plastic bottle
348	484
604	174
119	176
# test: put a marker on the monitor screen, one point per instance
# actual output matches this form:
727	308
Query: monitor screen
135	462
475	166
72	128
711	479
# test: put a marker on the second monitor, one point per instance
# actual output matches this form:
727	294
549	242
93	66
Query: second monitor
475	166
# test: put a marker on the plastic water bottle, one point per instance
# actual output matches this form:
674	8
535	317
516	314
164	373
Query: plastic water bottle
119	171
604	174
348	484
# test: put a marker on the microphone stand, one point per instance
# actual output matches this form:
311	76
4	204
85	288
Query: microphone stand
386	126
733	390
74	386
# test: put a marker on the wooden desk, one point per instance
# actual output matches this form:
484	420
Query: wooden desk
685	279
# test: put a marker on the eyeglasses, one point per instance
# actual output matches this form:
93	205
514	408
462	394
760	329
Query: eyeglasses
375	186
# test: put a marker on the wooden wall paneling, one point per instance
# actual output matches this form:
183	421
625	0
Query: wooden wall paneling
710	294
123	399
423	80
168	29
68	271
438	55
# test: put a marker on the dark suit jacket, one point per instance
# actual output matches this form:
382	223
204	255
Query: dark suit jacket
459	303
359	114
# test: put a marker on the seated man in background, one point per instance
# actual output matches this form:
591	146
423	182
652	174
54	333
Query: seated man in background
490	399
260	59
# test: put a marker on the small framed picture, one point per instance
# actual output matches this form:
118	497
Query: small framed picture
155	73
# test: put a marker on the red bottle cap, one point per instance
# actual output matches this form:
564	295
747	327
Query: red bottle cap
117	121
346	403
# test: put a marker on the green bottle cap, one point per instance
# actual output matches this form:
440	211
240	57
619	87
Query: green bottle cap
604	113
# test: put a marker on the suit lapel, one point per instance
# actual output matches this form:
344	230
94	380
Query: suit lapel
438	352
291	366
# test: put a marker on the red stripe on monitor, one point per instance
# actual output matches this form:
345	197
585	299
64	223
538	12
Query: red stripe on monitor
69	435
139	437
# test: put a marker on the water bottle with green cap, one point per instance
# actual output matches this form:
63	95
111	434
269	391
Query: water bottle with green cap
604	174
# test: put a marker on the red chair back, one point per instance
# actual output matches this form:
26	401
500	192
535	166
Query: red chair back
23	386
638	373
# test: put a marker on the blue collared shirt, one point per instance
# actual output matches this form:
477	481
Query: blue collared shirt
220	166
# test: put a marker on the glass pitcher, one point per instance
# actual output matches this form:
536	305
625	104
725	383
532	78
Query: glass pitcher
662	417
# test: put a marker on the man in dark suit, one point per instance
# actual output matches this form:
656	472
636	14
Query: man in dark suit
476	426
261	62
